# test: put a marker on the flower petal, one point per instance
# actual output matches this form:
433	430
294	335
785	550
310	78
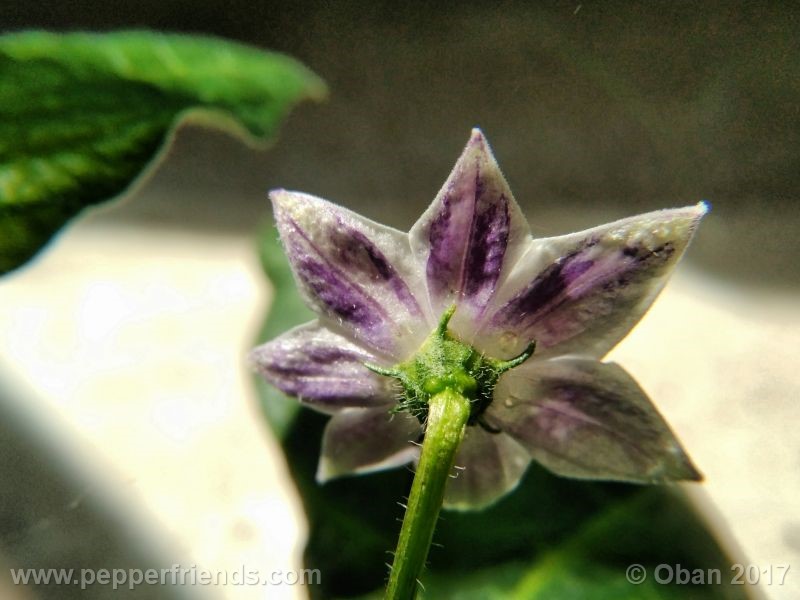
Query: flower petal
582	293
323	369
356	274
362	440
471	234
488	466
582	418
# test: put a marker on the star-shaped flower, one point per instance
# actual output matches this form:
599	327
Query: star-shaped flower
379	293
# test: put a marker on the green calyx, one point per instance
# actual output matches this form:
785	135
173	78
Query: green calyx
445	363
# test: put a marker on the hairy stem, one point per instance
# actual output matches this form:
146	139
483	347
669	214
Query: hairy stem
448	413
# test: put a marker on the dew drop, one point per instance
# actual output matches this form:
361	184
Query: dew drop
508	341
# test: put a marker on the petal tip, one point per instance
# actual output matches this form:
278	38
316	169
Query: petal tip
324	471
296	206
252	359
677	225
686	471
261	359
694	216
280	199
276	194
696	476
476	136
284	196
677	466
478	146
693	213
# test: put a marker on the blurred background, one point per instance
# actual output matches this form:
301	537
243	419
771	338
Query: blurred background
129	429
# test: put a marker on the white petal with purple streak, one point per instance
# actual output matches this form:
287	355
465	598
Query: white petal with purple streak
323	369
356	274
582	293
362	440
472	233
582	418
379	293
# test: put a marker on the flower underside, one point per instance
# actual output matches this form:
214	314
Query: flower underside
445	363
471	272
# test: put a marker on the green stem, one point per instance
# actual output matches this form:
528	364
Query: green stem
448	412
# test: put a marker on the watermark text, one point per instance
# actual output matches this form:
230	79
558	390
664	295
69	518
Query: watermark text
737	574
175	575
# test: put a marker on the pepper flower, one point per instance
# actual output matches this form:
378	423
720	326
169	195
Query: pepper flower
470	274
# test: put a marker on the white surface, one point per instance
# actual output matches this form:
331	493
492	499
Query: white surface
135	342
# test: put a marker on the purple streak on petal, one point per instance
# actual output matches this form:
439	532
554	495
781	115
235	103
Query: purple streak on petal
365	440
358	275
468	240
484	259
337	294
321	368
582	293
583	418
447	237
358	252
469	228
575	269
580	287
570	407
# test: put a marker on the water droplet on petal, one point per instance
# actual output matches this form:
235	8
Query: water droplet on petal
508	342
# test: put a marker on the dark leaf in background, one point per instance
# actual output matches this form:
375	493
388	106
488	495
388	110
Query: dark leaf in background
81	115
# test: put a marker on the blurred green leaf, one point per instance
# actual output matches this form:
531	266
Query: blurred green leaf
81	115
553	538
